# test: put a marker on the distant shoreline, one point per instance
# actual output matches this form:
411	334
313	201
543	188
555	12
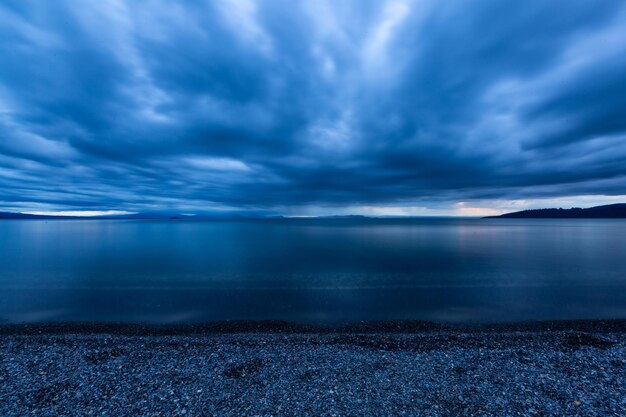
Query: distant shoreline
611	211
287	327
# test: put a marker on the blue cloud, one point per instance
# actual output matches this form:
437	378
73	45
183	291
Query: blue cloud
276	105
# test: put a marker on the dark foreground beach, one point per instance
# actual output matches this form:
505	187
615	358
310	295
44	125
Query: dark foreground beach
560	368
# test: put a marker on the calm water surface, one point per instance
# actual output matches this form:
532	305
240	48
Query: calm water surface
312	270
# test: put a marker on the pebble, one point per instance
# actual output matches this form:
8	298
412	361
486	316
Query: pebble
434	373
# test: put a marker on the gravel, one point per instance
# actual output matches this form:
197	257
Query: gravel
564	369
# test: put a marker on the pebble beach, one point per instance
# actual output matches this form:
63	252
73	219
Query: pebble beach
573	368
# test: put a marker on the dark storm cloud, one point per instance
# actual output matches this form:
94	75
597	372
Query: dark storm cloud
279	104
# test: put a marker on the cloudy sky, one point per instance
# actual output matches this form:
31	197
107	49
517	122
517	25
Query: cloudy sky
312	107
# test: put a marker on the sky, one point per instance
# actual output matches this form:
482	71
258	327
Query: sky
312	107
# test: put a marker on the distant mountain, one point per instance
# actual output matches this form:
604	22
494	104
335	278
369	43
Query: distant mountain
344	216
7	215
611	211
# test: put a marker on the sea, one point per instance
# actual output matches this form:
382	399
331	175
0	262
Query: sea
312	270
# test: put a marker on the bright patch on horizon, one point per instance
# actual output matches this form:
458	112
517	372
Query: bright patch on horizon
80	213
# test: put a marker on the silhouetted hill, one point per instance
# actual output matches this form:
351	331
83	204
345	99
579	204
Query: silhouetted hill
7	215
611	211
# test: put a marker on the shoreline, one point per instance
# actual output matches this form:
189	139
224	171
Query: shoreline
289	327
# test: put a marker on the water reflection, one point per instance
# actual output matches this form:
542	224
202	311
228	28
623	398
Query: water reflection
312	270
